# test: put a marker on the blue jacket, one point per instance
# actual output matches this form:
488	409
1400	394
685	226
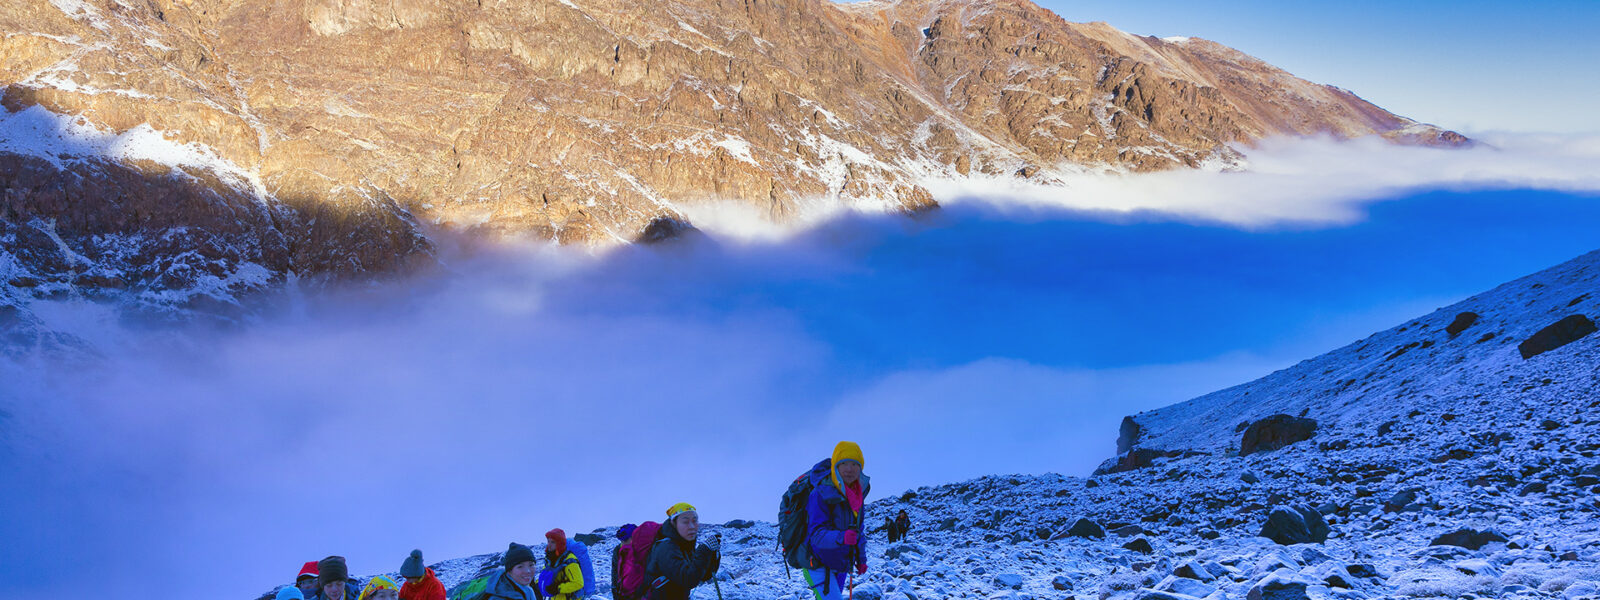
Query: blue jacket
828	515
501	587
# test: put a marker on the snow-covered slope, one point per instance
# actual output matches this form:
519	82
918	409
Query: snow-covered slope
1459	433
1418	366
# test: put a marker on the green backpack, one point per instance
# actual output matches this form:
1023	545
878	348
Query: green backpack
473	588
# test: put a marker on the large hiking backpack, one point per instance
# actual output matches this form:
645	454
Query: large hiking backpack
792	515
472	588
635	557
581	551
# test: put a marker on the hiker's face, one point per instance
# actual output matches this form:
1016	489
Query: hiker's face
385	595
333	590
688	525
849	472
523	572
308	586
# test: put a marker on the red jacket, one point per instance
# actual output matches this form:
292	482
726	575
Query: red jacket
429	588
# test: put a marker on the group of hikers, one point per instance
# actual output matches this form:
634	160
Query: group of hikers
820	531
898	527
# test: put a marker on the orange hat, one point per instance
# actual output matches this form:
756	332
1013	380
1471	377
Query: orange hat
556	541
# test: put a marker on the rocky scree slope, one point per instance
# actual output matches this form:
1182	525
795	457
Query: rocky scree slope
1474	481
182	153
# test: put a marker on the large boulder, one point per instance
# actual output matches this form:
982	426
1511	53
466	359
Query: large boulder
1139	545
1469	538
1008	580
1556	335
1061	583
1295	525
1275	432
1279	588
1084	528
1462	322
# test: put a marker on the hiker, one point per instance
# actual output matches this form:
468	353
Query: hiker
421	583
381	588
333	581
514	578
307	579
677	565
902	525
562	577
888	528
631	560
619	556
834	524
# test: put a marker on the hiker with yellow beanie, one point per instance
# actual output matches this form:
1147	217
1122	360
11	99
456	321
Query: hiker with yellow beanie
834	524
381	588
683	558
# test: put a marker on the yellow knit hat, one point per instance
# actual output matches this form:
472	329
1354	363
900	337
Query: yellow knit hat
680	508
846	451
378	583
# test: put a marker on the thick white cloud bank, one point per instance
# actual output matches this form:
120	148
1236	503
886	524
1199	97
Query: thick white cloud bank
1306	180
526	388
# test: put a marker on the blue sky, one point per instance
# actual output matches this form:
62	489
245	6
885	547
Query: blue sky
1470	65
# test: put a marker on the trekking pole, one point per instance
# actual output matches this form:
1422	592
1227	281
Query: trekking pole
718	586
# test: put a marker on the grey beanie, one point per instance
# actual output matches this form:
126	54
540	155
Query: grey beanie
412	567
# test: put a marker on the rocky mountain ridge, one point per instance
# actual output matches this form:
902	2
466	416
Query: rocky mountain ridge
184	153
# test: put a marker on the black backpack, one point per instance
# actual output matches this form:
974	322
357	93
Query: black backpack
792	515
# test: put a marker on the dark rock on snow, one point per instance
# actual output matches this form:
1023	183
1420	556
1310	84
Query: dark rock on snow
1471	539
1085	528
1275	432
1278	588
1556	335
1295	525
1137	458
1399	501
1462	322
1061	583
1139	545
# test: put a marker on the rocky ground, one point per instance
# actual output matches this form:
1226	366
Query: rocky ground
1462	468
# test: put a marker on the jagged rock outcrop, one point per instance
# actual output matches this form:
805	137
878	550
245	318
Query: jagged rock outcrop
330	133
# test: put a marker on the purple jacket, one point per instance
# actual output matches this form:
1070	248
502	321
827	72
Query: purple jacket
828	515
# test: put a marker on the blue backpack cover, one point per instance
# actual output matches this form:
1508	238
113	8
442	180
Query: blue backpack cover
579	550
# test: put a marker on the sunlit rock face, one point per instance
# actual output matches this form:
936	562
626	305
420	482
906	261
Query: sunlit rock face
220	146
